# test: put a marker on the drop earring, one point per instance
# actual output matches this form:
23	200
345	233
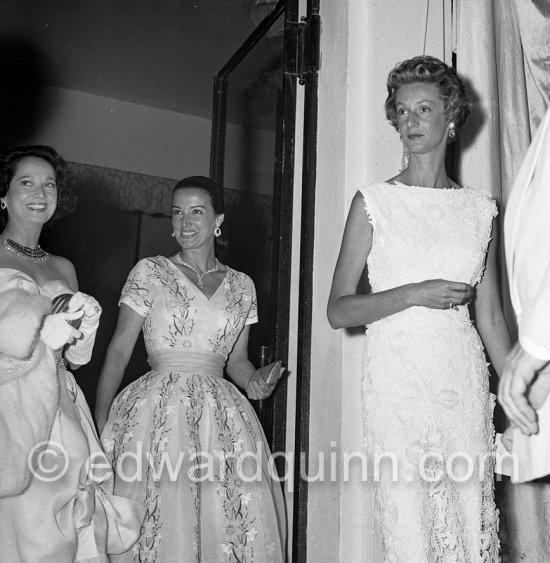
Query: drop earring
3	204
452	131
217	231
173	235
404	155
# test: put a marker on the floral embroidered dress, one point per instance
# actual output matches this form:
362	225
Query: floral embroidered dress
427	406
177	434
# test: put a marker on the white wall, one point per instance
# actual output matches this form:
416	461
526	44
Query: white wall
361	41
100	131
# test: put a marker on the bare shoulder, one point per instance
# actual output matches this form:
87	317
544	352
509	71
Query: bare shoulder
397	179
4	255
358	216
357	238
66	269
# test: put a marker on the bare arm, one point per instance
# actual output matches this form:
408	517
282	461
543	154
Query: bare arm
490	319
239	367
346	309
119	352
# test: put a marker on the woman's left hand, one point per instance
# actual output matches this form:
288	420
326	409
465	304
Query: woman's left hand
263	381
90	306
80	352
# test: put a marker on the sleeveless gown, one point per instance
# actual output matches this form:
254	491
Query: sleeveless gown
426	402
67	513
185	427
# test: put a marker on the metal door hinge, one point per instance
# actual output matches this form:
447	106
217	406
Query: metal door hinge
307	47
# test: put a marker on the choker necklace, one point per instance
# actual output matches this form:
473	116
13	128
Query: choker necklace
34	255
199	276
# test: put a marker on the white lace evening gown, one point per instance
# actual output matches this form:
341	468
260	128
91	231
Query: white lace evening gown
427	406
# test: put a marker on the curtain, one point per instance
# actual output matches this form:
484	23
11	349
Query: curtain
503	51
121	189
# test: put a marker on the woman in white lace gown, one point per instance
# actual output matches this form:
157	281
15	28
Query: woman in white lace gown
427	406
202	505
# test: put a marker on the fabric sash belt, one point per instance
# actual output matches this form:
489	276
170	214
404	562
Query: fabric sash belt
187	363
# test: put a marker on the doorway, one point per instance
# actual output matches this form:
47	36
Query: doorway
253	130
270	104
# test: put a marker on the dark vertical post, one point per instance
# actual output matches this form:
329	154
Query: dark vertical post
282	211
217	146
299	551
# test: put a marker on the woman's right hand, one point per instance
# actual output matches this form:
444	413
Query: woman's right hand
440	294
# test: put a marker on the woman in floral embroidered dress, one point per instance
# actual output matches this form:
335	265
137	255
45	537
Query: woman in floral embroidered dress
177	433
426	394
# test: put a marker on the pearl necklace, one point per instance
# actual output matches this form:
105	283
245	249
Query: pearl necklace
199	276
34	255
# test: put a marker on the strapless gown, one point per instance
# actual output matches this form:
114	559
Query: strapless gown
67	512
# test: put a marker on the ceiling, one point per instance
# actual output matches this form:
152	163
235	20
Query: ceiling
159	53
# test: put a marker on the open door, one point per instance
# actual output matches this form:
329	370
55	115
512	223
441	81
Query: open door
253	151
253	141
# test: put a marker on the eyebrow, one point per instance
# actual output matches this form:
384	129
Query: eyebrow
420	102
17	177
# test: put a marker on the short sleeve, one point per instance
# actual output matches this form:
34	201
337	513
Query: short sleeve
136	290
252	316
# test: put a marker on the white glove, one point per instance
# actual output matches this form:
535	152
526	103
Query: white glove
90	306
263	381
80	352
56	331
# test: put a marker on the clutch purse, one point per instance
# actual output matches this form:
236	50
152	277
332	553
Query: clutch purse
60	304
271	373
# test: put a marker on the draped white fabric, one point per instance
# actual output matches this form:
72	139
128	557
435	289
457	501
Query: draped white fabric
503	49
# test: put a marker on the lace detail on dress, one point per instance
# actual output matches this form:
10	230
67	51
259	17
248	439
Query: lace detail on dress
426	397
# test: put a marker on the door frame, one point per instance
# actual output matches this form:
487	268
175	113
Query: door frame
283	192
301	63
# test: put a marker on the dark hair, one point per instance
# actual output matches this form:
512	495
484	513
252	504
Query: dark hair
432	71
214	190
8	166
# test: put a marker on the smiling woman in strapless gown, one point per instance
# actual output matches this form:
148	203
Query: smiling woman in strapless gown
53	505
